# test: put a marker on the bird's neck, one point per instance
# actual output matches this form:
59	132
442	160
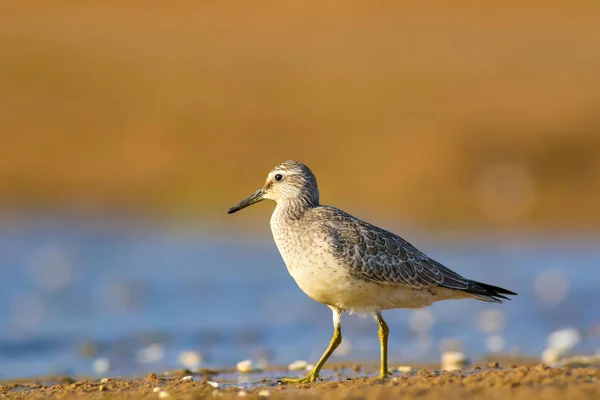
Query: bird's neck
293	209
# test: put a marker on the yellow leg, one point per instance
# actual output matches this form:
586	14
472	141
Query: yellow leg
335	342
383	342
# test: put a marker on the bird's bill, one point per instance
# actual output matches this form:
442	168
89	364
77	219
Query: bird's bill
248	201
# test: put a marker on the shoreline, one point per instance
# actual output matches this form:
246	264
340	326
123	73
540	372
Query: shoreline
491	380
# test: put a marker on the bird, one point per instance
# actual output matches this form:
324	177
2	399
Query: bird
351	265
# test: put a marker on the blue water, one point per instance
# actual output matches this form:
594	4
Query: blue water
117	286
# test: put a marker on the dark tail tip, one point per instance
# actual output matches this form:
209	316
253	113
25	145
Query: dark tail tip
489	293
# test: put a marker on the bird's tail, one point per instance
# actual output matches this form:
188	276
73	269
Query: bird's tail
489	293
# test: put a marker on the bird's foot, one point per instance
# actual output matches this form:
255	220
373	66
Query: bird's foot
310	378
384	375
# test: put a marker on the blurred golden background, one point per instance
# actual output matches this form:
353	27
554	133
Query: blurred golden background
119	118
440	114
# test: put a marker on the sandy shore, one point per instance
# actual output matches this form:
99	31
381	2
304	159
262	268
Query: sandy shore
491	381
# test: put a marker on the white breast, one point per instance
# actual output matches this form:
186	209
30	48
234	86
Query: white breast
307	257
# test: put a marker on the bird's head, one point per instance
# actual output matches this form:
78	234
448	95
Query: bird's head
290	181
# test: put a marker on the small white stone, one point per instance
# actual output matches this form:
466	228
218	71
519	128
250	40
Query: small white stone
564	340
104	380
187	378
190	359
298	365
247	366
163	395
550	356
404	369
264	393
101	365
242	393
213	384
454	360
156	389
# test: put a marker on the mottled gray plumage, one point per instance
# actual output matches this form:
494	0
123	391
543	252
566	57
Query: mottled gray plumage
379	256
351	265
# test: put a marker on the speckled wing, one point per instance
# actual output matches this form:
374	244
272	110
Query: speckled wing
374	254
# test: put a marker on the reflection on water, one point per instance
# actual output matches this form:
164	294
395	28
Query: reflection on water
119	298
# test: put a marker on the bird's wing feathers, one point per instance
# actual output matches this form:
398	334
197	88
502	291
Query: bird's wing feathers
376	255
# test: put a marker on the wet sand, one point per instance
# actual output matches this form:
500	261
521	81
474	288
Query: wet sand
491	381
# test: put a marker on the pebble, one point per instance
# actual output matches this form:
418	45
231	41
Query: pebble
298	365
264	393
187	378
248	366
550	356
404	369
190	359
454	360
213	384
564	340
101	365
104	380
242	393
163	395
156	389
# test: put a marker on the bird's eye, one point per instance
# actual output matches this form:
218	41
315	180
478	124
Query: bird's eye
278	177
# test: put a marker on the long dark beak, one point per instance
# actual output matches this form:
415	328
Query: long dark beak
248	201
